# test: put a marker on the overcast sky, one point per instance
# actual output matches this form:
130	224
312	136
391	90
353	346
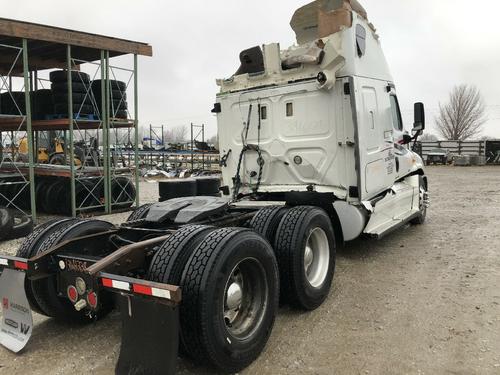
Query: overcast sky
430	46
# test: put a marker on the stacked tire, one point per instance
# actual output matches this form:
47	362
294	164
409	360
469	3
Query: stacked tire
42	104
53	195
117	97
13	103
82	95
15	192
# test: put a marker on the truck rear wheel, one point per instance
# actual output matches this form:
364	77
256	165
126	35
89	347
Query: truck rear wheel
230	298
170	260
267	220
29	248
45	290
305	248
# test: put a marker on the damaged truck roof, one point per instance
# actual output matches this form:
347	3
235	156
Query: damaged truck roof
324	17
318	26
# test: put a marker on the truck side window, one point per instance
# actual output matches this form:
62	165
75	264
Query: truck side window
397	122
360	40
289	109
263	112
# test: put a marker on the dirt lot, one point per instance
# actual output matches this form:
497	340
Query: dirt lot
425	300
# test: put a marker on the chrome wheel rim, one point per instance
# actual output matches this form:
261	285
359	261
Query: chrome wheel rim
245	298
316	257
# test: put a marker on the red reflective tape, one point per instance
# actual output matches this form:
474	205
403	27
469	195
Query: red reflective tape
142	289
108	283
21	265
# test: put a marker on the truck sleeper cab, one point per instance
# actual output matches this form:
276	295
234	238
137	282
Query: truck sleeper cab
313	154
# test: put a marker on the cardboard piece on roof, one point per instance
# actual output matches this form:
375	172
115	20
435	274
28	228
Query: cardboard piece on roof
321	18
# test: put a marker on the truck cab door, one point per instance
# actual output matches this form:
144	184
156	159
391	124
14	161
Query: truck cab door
375	137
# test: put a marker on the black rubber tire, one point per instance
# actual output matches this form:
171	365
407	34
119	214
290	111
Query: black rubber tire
171	258
82	109
59	202
118	106
49	205
208	186
13	102
19	194
289	245
22	226
61	76
139	213
120	114
45	290
29	247
43	104
171	189
123	192
3	200
57	159
41	185
115	95
115	85
43	197
78	98
203	329
6	223
62	88
87	194
266	221
420	220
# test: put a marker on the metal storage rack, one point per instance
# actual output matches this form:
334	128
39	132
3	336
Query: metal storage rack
27	52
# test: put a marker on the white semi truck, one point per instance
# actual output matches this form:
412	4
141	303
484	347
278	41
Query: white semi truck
313	154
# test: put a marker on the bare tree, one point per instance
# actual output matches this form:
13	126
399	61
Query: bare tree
487	138
427	137
463	116
177	134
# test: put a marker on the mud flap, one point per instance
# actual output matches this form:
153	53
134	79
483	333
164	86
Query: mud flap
17	321
150	337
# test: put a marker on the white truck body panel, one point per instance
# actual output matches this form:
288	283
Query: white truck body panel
338	134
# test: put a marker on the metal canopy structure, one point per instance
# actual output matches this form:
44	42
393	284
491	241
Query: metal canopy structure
47	45
27	52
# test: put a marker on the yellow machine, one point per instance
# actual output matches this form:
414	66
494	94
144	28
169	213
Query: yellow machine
57	157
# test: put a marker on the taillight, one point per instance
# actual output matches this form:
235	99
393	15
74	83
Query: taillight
72	293
92	299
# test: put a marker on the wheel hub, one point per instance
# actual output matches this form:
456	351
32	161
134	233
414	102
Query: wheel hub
316	257
234	296
245	295
308	258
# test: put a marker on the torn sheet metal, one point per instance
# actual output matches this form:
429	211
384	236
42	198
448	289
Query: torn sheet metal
311	53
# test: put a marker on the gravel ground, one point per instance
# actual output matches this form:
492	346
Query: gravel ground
423	301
